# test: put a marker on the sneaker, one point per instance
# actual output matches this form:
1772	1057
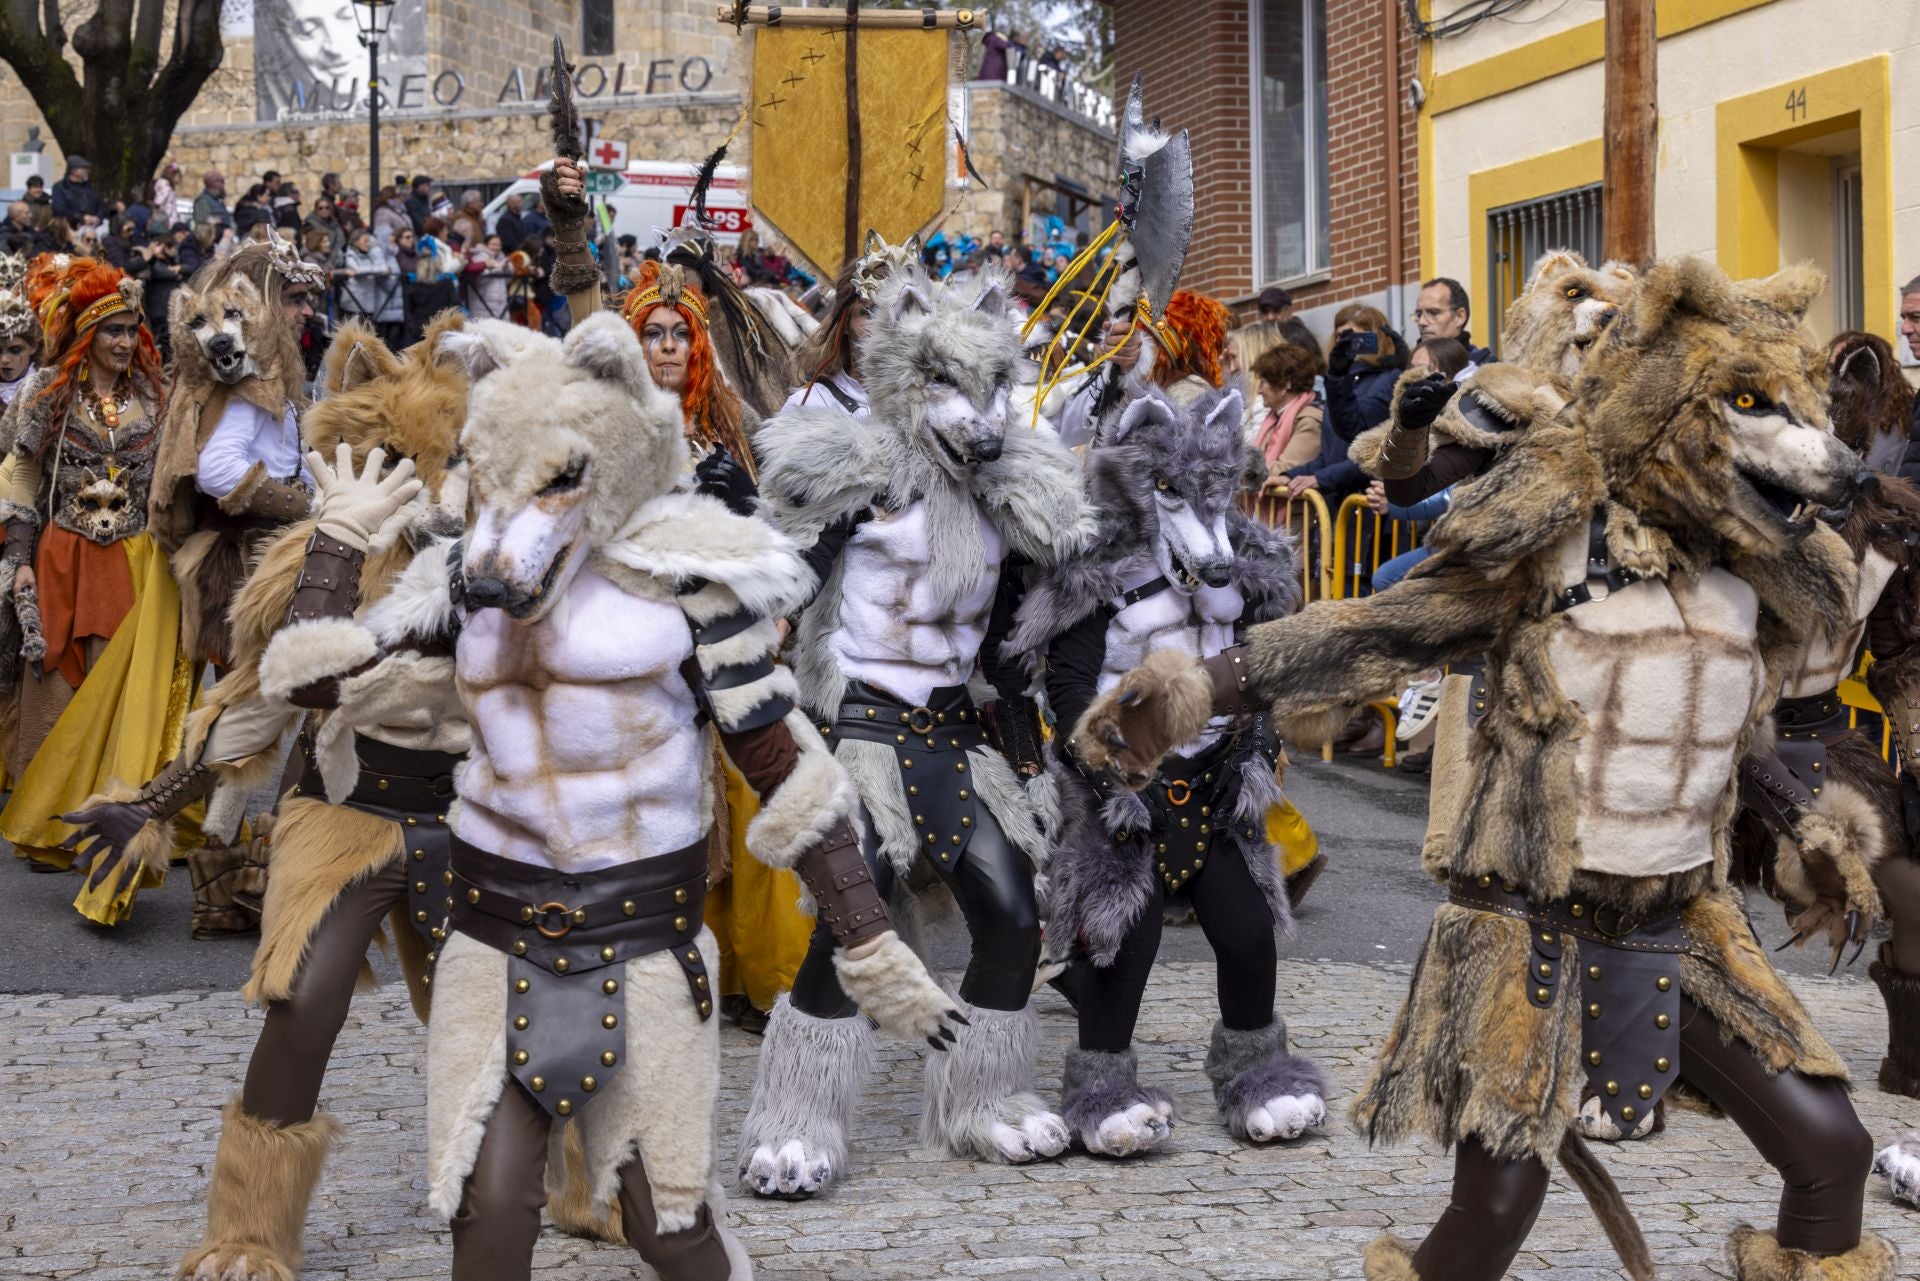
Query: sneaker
1417	707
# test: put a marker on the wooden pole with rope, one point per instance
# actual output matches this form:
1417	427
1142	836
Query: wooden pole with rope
1632	133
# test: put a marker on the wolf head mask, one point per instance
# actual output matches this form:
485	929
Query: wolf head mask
1872	402
564	440
1563	308
939	364
1704	403
218	329
1171	473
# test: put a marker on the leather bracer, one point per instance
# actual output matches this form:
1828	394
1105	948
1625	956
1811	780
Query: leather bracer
174	788
1232	689
1403	453
844	893
329	582
1013	726
279	500
18	547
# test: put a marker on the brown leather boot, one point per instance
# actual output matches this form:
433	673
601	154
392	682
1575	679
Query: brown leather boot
229	882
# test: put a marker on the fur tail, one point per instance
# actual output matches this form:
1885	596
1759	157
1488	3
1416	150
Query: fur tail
1603	1195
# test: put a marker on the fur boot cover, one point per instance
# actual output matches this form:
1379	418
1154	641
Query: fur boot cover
1899	1164
1106	1107
812	1070
1900	1069
229	882
1758	1256
1388	1258
980	1100
263	1178
1264	1093
659	1107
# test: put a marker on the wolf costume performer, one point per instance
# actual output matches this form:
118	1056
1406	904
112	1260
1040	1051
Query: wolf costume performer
1175	566
1590	931
829	359
385	747
114	684
603	612
919	522
228	474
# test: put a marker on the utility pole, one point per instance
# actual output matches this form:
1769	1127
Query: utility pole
1632	143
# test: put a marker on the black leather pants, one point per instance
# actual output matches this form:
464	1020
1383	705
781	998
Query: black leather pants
994	887
499	1218
1898	879
1804	1126
290	1058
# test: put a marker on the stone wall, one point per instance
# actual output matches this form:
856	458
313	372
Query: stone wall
1017	132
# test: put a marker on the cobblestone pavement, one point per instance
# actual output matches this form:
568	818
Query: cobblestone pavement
109	1109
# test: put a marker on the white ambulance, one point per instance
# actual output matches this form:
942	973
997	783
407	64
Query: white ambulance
654	197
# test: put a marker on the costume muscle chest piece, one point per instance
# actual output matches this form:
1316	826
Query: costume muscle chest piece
1666	674
894	630
587	752
1823	665
1144	623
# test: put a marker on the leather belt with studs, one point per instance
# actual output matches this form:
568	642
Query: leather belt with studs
568	937
1778	784
1629	986
1192	801
930	741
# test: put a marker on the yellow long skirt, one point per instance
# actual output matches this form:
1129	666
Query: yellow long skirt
125	722
755	913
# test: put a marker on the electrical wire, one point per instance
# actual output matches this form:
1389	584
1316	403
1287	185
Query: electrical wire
1462	20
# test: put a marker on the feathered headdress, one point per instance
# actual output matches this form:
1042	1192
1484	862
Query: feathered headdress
71	295
711	406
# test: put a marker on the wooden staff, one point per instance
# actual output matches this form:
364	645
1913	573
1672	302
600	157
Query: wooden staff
780	15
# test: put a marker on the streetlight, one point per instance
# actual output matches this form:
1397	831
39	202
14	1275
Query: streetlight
373	17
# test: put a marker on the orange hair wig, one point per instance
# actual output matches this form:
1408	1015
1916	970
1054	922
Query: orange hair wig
62	289
1193	335
711	407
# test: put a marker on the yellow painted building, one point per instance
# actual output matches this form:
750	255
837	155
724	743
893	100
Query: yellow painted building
1789	130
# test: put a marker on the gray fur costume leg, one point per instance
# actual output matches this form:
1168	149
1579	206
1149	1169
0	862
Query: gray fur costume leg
794	1140
1108	1110
1263	1092
979	1095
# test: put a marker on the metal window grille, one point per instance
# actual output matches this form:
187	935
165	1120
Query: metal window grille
1517	236
1849	258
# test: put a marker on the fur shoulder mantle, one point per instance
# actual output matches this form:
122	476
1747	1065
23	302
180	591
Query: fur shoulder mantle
814	471
688	539
1492	410
24	429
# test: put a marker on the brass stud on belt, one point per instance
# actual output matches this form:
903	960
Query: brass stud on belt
439	935
1546	971
473	896
520	1058
693	956
1662	1064
609	1021
679	896
609	1058
579	916
1577	910
610	986
906	762
521	1023
538	1084
1613	1087
706	1008
954	838
943	853
629	907
1508	886
899	738
381	784
432	957
1485	882
421	916
919	820
679	924
960	767
1541	994
1626	1114
965	795
526	915
520	986
1593	1011
588	1084
412	821
1646	1091
520	949
419	887
700	981
561	965
1593	972
606	954
1662	1022
1201	846
1161	848
446	877
1663	983
1206	811
931	838
419	856
913	789
1183	820
439	818
564	1107
1593	1058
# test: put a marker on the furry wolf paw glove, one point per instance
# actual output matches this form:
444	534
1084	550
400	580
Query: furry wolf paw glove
1164	702
1827	879
891	986
365	511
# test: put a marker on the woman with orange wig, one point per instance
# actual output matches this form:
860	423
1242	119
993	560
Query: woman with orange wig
1183	354
115	684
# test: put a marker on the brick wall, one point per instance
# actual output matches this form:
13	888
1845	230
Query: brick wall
1196	61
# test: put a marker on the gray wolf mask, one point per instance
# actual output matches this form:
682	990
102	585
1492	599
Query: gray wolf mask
941	362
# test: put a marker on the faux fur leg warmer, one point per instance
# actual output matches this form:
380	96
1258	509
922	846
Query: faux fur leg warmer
570	1191
1388	1258
1108	1110
1758	1256
263	1178
1264	1093
794	1140
980	1100
1900	1069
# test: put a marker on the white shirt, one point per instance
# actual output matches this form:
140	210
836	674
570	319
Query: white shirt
245	435
8	390
821	398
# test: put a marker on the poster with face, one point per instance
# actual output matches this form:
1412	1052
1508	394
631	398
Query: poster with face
308	61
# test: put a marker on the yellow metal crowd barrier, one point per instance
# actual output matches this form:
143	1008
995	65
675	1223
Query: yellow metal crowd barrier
1354	556
1306	517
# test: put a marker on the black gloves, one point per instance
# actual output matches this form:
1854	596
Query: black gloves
719	476
1340	359
1421	402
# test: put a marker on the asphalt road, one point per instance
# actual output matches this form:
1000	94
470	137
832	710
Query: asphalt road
1371	906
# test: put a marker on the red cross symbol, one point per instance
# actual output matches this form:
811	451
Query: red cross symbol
608	154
